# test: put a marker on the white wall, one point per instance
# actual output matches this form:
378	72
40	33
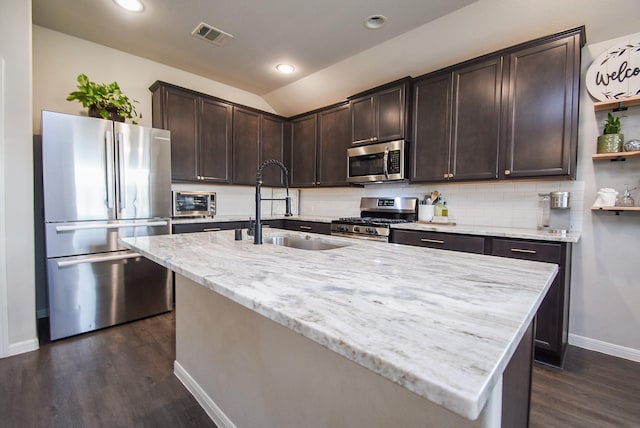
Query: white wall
606	284
17	281
59	58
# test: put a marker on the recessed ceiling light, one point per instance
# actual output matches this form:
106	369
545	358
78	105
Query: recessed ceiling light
285	68
375	21
130	5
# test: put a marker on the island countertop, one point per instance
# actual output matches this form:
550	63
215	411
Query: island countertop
442	324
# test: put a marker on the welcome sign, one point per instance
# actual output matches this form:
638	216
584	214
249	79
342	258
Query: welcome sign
615	74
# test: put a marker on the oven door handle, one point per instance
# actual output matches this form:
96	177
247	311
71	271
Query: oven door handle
386	162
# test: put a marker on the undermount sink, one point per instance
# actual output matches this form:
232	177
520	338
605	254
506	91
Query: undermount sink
307	243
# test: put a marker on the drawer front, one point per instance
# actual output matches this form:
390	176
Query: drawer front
86	237
527	250
209	227
308	226
442	241
90	292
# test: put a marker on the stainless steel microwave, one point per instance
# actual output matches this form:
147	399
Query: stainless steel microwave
377	162
189	203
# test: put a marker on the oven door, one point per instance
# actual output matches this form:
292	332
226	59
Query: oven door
376	162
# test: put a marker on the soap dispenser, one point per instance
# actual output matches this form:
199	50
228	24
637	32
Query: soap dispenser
626	200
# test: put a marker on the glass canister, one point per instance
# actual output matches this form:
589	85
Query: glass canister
543	210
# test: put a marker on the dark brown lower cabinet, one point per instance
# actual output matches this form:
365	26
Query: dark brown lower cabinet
208	226
552	327
552	318
441	241
307	226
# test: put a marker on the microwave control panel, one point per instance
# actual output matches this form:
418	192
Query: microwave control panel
394	162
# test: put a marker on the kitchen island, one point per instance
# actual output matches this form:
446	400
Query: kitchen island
366	334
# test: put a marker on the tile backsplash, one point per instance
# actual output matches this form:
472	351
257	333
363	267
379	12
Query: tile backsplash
505	203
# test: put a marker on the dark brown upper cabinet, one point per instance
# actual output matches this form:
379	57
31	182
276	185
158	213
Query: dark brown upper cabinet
541	118
304	139
334	138
511	114
274	134
246	145
319	147
475	128
380	114
201	129
457	123
257	137
431	140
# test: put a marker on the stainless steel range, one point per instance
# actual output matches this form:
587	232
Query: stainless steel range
376	217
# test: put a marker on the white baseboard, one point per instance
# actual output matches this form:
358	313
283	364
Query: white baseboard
605	347
215	413
22	347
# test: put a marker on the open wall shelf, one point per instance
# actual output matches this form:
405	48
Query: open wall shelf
617	156
615	105
615	209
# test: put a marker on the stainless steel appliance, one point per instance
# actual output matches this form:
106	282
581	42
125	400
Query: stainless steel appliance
554	214
377	162
188	203
103	180
376	217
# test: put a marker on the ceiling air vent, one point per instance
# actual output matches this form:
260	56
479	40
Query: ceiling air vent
211	34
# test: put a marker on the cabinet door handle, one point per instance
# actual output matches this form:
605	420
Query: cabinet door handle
305	227
212	229
446	175
432	241
507	172
450	175
522	250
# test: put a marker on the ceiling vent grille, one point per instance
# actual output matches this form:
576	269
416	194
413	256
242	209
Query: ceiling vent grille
211	34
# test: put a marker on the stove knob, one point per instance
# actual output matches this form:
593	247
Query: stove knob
371	230
356	228
343	229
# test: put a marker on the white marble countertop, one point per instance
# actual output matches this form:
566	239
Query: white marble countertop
499	232
442	324
505	232
186	220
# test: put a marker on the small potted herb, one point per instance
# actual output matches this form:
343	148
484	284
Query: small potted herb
612	140
104	100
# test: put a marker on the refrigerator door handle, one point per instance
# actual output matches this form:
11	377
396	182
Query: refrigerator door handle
97	259
108	154
71	228
121	183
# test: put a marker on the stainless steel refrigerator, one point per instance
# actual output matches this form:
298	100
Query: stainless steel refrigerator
103	180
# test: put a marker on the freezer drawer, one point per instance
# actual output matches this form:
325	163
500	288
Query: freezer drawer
100	290
87	237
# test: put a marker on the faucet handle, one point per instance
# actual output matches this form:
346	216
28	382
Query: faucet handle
252	227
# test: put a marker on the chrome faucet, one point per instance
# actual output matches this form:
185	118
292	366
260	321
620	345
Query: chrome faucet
257	232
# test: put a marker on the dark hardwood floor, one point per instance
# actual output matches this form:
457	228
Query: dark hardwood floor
594	390
123	377
117	377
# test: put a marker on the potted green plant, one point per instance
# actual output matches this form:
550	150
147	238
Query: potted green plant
104	100
612	140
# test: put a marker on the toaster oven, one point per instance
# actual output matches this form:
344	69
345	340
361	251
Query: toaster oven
189	203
